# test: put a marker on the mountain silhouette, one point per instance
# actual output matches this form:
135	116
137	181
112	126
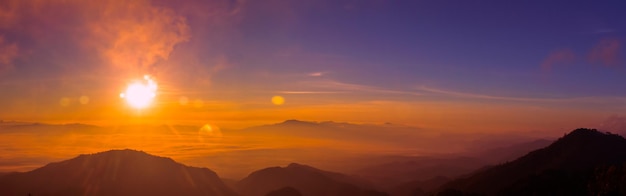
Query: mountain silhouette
569	166
608	180
115	172
307	180
344	132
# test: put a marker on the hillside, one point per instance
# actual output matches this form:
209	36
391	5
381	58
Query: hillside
566	167
307	180
115	172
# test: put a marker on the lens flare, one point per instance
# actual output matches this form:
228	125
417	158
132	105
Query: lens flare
140	94
209	133
278	100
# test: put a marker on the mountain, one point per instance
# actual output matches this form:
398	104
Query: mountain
384	134
46	129
609	180
30	145
307	180
115	172
570	166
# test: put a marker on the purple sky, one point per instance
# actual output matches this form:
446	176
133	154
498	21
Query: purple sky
526	63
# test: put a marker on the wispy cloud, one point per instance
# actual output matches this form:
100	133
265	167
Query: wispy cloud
477	96
8	53
557	57
614	123
604	31
317	74
334	86
600	31
523	99
310	92
606	52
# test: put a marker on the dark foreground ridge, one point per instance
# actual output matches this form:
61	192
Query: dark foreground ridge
584	162
115	172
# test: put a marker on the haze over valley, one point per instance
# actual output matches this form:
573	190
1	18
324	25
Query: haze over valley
312	97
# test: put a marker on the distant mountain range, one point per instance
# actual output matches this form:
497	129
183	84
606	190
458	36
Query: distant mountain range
382	135
115	172
583	162
131	172
573	165
402	172
262	146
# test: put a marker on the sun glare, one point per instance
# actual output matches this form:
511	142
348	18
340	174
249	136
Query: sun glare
140	94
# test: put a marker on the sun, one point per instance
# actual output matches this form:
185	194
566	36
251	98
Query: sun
140	94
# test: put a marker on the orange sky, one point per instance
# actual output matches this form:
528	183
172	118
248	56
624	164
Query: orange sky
212	68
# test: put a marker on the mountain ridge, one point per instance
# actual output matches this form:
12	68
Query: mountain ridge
308	180
115	172
568	161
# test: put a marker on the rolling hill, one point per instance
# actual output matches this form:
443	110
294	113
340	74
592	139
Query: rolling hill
115	172
307	180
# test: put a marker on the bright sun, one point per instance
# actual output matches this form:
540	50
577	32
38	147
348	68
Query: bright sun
140	94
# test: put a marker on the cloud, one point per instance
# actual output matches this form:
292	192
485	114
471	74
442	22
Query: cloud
479	96
595	101
309	92
558	57
317	74
128	34
603	31
341	87
606	52
614	123
8	52
135	33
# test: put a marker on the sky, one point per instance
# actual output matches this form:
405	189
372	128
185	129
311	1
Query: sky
442	65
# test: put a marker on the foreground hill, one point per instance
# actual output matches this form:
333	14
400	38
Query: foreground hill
115	172
573	165
307	180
